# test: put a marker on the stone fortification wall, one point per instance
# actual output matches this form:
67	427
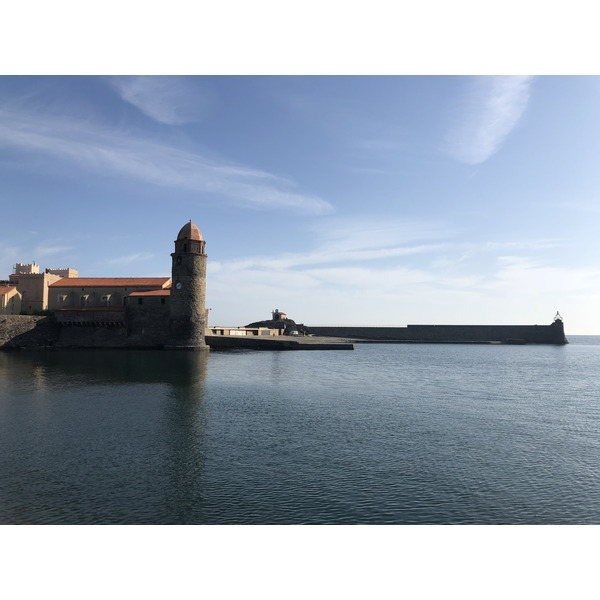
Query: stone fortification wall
97	336
146	329
526	334
144	326
90	316
148	324
24	331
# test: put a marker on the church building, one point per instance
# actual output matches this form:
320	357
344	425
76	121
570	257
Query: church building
167	312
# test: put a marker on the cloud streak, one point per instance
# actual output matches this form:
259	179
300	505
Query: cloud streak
109	151
131	258
369	264
166	99
490	112
45	251
341	241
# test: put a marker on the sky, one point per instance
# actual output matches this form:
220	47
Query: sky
340	200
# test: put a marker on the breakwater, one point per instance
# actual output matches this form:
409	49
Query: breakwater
226	342
451	334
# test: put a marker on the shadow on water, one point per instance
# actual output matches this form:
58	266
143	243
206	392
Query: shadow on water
101	436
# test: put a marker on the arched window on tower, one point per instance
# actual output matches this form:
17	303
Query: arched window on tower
185	247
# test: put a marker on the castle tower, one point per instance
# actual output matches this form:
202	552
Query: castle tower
188	290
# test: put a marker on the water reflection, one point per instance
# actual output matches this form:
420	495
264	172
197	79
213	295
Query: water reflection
106	366
184	438
101	436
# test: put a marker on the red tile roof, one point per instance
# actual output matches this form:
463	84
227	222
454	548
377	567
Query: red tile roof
151	293
6	288
133	282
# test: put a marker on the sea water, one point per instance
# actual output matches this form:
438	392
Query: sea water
386	434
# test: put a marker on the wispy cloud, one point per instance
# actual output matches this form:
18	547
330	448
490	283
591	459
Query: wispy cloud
321	256
166	99
534	277
491	110
43	251
110	151
341	241
527	244
401	272
400	292
131	258
361	232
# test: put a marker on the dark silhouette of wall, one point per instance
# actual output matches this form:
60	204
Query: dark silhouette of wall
505	334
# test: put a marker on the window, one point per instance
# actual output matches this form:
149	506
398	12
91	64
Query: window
140	300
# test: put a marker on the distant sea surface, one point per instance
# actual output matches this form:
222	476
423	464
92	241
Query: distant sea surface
386	434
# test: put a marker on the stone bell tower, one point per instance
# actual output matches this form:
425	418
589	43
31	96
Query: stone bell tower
187	325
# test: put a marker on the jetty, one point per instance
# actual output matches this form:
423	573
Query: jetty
220	342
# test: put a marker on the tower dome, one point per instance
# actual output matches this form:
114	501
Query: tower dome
189	231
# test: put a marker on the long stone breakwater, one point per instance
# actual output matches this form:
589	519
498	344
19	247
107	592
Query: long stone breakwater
452	334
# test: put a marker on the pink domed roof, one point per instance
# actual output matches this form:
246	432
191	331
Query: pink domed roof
189	231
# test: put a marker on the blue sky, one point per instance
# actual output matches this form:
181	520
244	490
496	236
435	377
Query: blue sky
337	199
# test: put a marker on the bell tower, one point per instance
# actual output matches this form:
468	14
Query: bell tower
187	325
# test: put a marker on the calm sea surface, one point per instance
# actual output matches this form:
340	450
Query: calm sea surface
402	434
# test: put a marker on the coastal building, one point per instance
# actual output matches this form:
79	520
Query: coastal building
101	292
243	331
63	272
143	312
33	286
10	300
